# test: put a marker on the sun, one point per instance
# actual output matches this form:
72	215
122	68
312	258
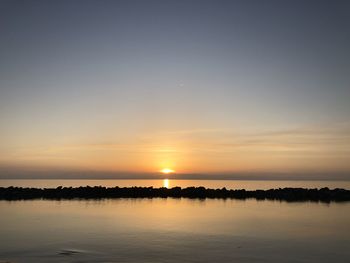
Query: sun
167	171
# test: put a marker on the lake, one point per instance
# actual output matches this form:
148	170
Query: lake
174	230
229	184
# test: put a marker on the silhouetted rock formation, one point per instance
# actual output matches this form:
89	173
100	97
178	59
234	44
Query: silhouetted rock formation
98	192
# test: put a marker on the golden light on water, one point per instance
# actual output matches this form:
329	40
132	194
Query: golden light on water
167	171
166	183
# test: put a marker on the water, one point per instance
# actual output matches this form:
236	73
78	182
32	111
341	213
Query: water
173	230
229	184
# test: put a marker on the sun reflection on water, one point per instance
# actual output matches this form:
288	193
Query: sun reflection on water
166	183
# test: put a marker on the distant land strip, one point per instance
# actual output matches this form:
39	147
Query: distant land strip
100	192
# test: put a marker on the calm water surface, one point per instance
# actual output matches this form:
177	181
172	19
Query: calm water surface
229	184
173	230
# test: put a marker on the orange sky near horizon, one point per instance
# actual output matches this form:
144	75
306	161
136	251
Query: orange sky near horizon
196	151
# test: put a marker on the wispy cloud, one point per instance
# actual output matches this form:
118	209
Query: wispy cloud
300	139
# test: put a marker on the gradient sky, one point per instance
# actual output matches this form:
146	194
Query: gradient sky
195	86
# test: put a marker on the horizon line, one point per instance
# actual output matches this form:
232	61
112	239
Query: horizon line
95	175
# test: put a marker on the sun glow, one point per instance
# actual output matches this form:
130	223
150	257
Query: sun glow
167	171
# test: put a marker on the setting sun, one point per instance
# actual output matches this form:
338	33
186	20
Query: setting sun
167	171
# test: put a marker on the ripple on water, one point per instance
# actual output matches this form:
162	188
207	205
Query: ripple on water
70	252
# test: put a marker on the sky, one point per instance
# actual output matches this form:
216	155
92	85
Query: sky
199	87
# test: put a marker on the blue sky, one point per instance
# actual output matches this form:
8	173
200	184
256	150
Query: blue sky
199	86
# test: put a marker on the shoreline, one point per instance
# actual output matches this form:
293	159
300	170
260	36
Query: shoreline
99	192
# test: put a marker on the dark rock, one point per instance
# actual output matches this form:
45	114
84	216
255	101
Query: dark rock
98	192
